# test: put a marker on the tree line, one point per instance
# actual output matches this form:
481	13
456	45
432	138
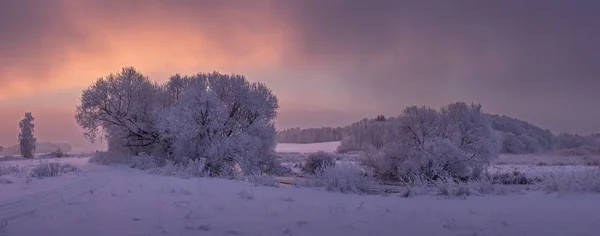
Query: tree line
517	136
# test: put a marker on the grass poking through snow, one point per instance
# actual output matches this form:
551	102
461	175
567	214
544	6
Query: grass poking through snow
52	169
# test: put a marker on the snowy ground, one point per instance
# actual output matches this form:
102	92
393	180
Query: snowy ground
306	148
102	200
106	200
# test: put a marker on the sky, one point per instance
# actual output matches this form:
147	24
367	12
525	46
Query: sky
329	62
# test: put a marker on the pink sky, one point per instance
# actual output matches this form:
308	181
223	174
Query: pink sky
329	62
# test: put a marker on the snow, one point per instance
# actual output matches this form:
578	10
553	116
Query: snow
103	200
307	148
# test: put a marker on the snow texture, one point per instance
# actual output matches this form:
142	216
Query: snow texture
108	200
307	148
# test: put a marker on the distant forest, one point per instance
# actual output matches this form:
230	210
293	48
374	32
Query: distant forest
517	136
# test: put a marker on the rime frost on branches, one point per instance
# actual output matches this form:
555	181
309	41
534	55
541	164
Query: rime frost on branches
26	138
119	107
223	119
456	142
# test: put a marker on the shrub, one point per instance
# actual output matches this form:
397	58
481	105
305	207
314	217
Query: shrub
514	178
194	168
52	169
142	162
271	165
317	161
381	167
345	178
592	160
347	144
10	169
456	142
109	158
584	181
292	158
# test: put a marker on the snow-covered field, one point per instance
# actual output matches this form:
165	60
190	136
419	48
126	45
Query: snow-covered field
305	148
107	200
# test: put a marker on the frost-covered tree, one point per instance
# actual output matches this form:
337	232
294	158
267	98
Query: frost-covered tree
310	135
26	137
470	131
120	107
455	142
365	135
224	119
522	137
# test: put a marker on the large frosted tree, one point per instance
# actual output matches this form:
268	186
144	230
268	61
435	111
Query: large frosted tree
223	119
456	141
26	138
120	108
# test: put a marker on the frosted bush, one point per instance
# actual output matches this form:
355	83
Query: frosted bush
364	135
142	162
194	168
514	178
10	169
347	144
457	142
169	169
52	169
318	160
108	158
584	181
345	178
272	165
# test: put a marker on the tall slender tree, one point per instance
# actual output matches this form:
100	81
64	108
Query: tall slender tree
26	138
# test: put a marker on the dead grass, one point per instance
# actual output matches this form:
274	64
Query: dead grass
584	182
52	169
10	169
